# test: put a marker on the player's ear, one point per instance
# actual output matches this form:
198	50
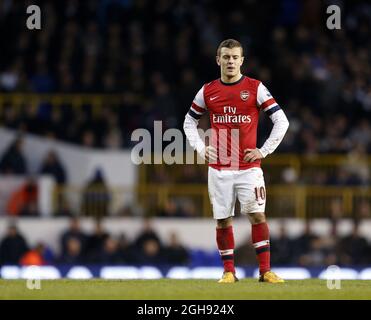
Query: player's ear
218	60
242	59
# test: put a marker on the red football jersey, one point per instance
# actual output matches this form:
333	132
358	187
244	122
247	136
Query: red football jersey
234	114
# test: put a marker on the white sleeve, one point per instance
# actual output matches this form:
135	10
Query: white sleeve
197	109
190	129
280	126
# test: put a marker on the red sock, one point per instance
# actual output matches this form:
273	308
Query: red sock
225	241
260	240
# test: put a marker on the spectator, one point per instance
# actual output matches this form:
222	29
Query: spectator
39	255
51	165
281	248
110	252
322	250
24	200
74	231
13	161
302	245
315	255
96	241
147	233
150	253
354	248
175	253
127	249
96	197
73	253
12	247
148	245
46	252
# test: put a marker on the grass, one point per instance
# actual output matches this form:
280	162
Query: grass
164	289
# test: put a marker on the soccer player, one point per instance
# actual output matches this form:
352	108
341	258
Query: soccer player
233	103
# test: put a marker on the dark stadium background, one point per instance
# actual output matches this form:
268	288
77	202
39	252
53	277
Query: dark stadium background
72	93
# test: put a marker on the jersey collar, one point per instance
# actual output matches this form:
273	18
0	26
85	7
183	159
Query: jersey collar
232	83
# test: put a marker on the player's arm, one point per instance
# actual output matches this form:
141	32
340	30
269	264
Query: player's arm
280	125
197	109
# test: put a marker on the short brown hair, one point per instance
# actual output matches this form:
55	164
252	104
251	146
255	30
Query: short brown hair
229	43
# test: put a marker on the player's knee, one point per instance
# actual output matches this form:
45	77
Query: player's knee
224	223
257	217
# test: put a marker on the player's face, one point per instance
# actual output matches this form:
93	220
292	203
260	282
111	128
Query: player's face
230	61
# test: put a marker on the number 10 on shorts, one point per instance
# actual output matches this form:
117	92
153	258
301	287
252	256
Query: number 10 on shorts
259	194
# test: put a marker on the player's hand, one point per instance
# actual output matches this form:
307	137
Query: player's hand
211	154
252	155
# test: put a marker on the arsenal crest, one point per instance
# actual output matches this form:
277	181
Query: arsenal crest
244	95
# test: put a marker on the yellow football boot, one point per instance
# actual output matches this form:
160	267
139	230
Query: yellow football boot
228	277
270	277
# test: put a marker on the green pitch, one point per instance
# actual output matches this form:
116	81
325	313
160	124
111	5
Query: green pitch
183	289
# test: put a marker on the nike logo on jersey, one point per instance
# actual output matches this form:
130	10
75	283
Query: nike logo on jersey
213	98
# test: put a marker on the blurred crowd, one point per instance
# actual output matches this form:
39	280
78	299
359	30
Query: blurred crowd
353	169
311	250
100	247
96	195
14	162
157	54
97	247
23	201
